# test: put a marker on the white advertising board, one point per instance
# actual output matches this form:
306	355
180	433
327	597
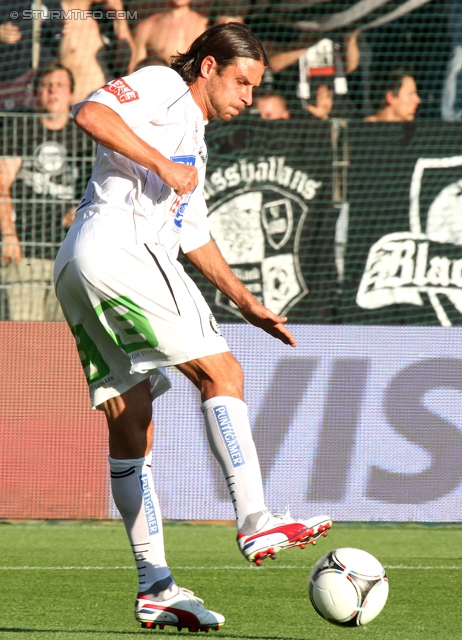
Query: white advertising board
361	422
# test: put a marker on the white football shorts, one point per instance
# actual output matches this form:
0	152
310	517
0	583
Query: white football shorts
132	311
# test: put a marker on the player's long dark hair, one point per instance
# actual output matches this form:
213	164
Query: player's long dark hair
225	43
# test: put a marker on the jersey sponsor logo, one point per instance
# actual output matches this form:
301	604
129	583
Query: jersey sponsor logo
148	504
189	160
178	219
179	205
229	436
175	204
121	90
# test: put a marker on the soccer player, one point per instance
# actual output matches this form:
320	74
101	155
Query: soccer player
133	310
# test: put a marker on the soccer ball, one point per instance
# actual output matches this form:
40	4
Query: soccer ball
348	587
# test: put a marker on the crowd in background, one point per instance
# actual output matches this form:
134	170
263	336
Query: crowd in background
327	74
409	67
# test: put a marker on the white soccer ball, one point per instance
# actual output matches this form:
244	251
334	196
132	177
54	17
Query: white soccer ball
348	587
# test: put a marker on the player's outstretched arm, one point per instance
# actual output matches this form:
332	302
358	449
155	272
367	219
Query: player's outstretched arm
209	261
107	128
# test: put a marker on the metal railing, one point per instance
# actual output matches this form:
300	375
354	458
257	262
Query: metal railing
43	176
48	171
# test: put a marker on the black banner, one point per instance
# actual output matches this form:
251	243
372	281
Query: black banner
269	193
404	254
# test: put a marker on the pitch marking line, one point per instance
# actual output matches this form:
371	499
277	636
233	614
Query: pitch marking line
228	568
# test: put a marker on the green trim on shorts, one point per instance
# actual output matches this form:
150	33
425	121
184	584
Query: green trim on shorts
126	324
93	363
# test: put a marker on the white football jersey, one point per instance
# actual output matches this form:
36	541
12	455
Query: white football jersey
125	203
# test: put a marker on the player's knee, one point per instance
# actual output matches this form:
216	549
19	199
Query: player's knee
220	374
228	379
235	373
132	408
130	430
133	422
138	415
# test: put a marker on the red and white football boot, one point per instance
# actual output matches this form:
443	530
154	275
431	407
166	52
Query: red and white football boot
282	532
183	611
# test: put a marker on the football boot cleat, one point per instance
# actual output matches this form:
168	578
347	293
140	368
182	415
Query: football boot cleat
183	611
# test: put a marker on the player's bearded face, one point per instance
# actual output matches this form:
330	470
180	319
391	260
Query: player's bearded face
230	91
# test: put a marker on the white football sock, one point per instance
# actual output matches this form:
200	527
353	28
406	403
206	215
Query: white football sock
231	442
135	497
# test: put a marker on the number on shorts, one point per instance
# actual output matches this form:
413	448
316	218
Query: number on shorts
93	363
127	325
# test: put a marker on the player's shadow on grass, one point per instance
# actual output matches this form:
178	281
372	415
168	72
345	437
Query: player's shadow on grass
166	633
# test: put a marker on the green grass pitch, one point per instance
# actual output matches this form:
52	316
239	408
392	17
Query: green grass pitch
77	582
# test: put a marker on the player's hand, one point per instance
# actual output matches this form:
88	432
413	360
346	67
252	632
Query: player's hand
11	250
181	178
10	33
261	317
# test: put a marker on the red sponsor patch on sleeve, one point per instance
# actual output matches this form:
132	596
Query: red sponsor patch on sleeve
122	91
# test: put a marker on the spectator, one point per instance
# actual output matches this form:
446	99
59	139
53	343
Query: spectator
224	11
95	51
17	66
323	104
395	96
166	34
151	61
326	105
451	99
39	185
319	61
272	106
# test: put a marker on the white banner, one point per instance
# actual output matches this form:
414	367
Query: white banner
363	423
